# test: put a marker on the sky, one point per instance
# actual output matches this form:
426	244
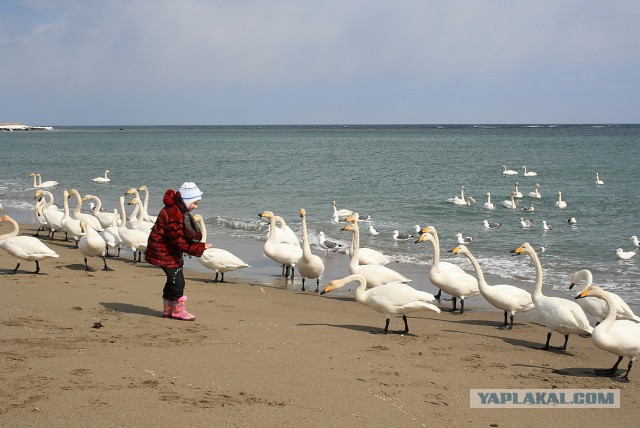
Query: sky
262	62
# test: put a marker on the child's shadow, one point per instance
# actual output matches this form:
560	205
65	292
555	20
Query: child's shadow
131	309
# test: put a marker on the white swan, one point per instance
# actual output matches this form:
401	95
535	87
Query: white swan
529	173
619	337
557	314
24	247
517	193
105	218
624	255
599	182
388	299
598	307
111	236
375	275
134	239
367	256
450	278
536	193
92	245
560	203
50	212
145	205
506	171
104	179
90	219
71	225
217	259
458	200
505	297
489	205
42	222
136	219
37	181
309	265
340	214
510	204
282	252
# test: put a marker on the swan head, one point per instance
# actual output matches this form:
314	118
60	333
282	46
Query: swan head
134	201
425	236
592	290
524	248
37	194
460	249
83	227
339	283
265	214
352	227
302	212
353	218
197	217
141	188
579	275
130	191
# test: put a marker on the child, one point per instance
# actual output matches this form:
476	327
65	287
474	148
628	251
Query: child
173	234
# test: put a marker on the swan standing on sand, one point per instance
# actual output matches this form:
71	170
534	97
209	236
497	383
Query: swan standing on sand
557	314
598	307
104	179
389	299
92	245
145	205
111	236
70	225
138	222
134	239
505	297
529	173
448	277
217	259
51	213
105	218
598	181
509	172
24	247
375	275
367	256
560	203
489	205
283	253
619	337
90	219
309	265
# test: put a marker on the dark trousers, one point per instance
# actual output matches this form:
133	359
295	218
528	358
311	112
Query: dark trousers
174	287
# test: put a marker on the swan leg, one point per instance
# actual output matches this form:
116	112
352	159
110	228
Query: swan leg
461	306
292	269
625	378
454	304
437	296
13	272
106	268
86	265
118	251
511	325
386	328
505	319
317	284
546	345
566	340
608	372
222	277
406	325
303	284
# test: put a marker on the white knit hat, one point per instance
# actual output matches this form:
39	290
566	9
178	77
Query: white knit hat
190	193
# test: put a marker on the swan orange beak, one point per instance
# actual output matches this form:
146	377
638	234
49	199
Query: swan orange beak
420	238
328	288
456	250
347	227
518	250
585	293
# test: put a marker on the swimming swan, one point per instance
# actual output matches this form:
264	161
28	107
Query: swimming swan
557	314
104	179
619	337
309	265
489	205
394	298
506	171
560	203
505	297
24	247
217	259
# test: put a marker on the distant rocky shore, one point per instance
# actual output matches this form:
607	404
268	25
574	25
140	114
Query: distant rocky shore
21	127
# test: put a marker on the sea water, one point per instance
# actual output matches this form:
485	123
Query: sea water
399	175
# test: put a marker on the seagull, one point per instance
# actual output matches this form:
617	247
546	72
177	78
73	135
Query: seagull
373	230
624	255
525	223
541	250
326	244
397	236
546	226
491	225
463	240
529	208
572	221
634	238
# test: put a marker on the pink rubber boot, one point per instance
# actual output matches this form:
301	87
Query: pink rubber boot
179	310
167	308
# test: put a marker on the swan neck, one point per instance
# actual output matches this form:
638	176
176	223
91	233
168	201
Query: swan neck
13	233
306	249
123	214
355	246
479	274
608	321
537	290
203	230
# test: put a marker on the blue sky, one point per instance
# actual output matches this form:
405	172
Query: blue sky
153	62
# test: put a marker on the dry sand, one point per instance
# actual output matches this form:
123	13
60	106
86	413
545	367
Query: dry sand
265	355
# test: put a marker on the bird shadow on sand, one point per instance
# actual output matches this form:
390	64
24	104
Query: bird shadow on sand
131	309
582	372
360	328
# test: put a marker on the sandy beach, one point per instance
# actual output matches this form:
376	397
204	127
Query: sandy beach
261	353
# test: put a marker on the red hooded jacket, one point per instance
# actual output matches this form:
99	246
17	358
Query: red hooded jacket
167	241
